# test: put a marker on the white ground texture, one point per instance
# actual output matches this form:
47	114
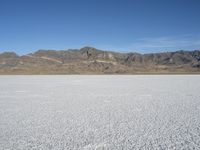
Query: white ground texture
100	112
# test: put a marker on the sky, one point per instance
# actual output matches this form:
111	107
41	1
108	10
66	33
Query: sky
122	25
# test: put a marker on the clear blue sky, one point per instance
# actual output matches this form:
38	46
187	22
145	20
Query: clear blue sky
123	25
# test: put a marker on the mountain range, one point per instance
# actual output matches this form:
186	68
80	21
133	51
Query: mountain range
89	60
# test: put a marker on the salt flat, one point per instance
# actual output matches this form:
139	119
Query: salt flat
100	112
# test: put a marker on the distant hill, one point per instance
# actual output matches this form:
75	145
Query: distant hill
90	60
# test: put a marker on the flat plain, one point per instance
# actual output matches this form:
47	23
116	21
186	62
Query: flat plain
100	112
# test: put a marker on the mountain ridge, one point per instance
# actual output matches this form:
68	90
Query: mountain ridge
89	60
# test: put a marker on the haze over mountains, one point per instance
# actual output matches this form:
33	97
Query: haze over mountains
90	60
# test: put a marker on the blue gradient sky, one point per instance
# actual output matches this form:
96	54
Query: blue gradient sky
123	25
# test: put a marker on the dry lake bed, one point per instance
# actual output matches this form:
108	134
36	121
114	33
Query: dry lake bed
100	112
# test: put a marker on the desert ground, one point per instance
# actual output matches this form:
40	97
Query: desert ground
105	112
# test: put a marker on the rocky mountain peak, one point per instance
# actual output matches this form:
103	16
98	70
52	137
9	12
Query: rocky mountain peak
88	49
94	61
8	55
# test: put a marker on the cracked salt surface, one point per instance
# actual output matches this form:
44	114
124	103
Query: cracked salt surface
100	112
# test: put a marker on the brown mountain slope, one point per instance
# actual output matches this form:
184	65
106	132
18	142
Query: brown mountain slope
89	60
